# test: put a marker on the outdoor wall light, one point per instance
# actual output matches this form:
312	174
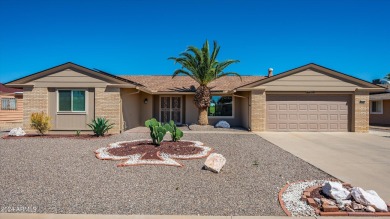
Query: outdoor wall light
146	101
362	101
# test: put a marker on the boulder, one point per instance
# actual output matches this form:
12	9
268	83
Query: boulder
17	132
327	202
215	162
335	190
356	206
349	209
222	124
369	198
343	203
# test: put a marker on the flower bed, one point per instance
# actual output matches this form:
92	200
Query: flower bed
81	136
143	152
307	199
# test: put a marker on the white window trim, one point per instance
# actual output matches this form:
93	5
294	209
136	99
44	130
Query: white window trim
170	110
224	117
71	102
381	108
8	98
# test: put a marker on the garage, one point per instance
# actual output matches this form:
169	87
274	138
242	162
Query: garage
308	113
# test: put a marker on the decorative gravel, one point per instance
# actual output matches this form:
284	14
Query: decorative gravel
64	176
292	198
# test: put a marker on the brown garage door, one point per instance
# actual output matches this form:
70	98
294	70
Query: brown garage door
308	113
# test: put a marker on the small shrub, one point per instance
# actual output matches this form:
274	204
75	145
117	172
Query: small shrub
40	122
157	131
100	126
78	133
176	133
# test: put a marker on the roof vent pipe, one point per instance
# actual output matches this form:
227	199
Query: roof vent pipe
270	72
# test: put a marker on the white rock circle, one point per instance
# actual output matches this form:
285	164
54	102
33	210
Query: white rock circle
292	198
135	159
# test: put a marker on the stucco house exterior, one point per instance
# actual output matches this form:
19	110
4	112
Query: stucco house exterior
380	107
11	108
307	98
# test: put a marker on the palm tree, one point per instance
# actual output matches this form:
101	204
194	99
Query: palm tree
387	77
204	68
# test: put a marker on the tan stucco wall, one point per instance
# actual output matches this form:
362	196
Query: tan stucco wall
146	110
240	111
134	111
108	105
130	108
70	78
257	110
384	118
360	111
244	108
71	121
35	100
309	80
191	111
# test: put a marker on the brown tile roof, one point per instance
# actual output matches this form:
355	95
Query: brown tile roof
187	84
4	89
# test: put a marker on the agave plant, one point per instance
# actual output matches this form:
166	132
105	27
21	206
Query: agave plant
204	68
100	126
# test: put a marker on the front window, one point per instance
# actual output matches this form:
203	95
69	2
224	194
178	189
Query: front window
221	106
71	101
376	107
8	104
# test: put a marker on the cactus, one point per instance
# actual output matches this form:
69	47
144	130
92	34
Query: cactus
176	133
157	131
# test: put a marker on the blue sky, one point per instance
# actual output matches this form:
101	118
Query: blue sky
137	37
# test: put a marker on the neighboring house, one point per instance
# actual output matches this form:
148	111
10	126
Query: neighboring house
308	98
11	110
380	107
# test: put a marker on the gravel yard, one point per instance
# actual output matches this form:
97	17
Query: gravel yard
63	176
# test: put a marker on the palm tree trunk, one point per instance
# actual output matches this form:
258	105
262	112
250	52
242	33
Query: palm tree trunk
203	117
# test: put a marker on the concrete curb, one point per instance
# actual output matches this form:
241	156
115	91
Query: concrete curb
100	216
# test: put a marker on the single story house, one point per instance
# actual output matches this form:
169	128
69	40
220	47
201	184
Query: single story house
380	107
11	108
307	98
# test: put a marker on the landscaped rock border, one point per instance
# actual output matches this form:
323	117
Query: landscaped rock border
163	158
309	201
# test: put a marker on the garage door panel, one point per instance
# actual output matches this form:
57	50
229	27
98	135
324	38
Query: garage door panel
293	126
313	117
272	106
293	107
283	116
308	112
293	117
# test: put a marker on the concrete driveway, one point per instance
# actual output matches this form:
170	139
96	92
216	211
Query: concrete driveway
360	159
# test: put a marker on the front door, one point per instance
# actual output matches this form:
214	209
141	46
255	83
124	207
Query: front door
170	109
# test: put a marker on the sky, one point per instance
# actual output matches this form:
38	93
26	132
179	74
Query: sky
137	36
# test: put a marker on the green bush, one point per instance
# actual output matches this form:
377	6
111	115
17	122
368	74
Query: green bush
40	122
100	126
176	133
157	131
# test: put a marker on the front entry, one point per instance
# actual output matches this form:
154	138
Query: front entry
170	109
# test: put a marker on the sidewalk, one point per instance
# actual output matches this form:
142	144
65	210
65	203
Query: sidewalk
93	216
